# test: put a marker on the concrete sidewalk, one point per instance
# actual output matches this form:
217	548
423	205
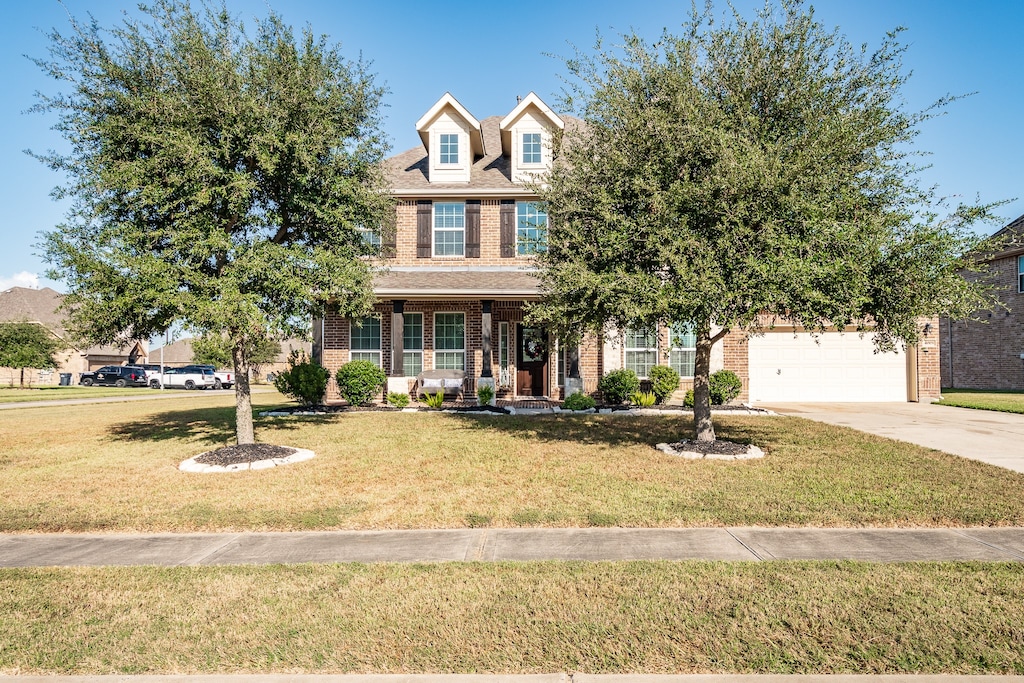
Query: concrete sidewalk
492	545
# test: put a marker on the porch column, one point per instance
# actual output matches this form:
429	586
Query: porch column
573	379
396	378
485	338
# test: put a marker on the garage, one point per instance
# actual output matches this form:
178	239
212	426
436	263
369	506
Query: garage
830	367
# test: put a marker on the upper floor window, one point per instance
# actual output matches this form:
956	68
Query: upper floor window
449	228
371	238
531	148
531	235
365	335
449	148
682	348
1020	274
641	351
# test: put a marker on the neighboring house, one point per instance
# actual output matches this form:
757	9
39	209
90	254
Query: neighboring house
179	354
989	353
459	272
40	306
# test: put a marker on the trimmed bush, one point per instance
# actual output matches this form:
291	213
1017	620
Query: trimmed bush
360	381
304	380
578	401
725	386
398	399
664	382
618	385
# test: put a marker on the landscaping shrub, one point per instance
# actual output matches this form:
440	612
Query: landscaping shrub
725	386
304	380
578	401
434	400
398	399
618	385
485	394
643	399
664	382
360	381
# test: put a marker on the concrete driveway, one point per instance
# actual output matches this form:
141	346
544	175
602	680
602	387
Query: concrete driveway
985	435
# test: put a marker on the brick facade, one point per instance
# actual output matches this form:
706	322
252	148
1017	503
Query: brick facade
985	353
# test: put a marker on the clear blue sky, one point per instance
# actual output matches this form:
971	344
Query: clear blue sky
495	51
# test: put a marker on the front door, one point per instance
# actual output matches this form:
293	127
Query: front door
531	361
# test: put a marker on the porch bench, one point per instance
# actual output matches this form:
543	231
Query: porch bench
431	381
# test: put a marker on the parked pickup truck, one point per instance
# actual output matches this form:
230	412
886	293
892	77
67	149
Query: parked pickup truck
223	379
183	378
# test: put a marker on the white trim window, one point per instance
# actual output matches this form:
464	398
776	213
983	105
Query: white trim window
450	341
504	369
371	238
412	344
449	229
532	230
1020	274
532	153
449	148
682	348
641	351
364	339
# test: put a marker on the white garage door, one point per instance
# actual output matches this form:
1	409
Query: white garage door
833	367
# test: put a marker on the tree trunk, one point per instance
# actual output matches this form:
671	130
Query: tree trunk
702	425
243	396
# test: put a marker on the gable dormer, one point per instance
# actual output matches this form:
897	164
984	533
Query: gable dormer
453	139
526	137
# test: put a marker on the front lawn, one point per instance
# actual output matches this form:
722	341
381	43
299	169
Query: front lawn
1003	401
544	617
54	393
113	467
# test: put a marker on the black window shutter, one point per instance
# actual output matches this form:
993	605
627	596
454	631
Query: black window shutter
472	228
508	228
423	231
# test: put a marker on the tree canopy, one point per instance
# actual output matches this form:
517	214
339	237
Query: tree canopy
28	345
219	180
215	349
743	172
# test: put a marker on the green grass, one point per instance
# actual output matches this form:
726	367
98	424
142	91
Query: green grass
108	467
654	617
1003	401
16	395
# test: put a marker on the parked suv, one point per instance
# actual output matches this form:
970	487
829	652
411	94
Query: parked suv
183	378
115	375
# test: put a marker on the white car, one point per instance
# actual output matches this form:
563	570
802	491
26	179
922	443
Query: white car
183	378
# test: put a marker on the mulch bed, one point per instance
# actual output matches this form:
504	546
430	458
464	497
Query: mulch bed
252	452
718	447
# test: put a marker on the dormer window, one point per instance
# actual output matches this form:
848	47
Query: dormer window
531	148
449	148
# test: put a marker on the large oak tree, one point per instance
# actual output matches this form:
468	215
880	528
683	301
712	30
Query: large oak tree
218	179
745	171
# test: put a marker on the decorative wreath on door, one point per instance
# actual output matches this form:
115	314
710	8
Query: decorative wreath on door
533	345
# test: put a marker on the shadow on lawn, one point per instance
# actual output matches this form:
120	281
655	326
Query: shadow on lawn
607	430
215	425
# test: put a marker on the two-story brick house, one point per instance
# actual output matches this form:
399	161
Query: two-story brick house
458	274
988	353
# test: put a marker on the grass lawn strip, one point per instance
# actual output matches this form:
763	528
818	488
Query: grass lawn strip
1002	401
655	617
58	393
114	467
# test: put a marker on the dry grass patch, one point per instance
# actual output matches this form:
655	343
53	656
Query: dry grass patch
56	393
655	617
114	467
